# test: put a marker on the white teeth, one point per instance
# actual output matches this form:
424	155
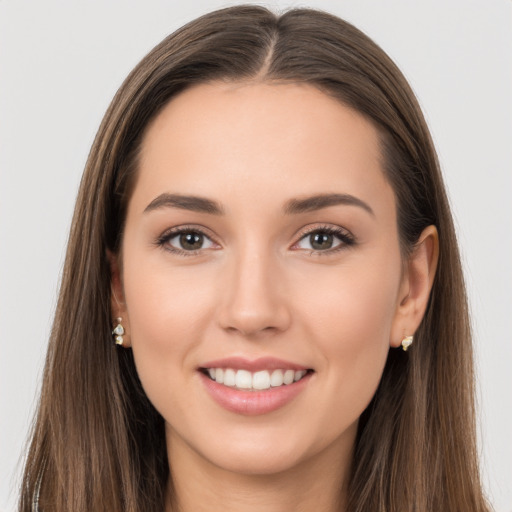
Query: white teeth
289	375
276	378
299	374
229	377
244	379
261	380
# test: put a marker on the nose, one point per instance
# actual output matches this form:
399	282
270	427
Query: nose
254	301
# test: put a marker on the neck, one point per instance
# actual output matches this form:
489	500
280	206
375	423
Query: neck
318	483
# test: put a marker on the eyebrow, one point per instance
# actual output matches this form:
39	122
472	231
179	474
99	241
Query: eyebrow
317	202
191	203
293	206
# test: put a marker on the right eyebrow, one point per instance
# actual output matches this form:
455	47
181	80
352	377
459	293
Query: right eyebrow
192	203
317	202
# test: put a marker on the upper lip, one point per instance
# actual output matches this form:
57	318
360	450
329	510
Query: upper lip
254	365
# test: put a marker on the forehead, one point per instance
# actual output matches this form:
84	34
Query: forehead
227	139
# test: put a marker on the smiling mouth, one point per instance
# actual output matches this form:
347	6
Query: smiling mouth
245	380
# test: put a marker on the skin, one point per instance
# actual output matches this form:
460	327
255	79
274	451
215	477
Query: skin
256	288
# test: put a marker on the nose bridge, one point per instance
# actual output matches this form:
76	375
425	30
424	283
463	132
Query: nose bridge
253	295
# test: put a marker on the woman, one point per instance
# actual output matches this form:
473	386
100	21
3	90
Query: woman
262	304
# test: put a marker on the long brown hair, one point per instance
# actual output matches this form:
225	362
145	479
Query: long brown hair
98	443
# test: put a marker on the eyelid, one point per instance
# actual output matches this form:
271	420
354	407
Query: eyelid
346	238
163	239
344	235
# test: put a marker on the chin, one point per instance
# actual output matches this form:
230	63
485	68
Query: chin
259	451
256	462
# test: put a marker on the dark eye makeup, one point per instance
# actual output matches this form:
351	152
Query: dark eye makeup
317	240
186	240
324	239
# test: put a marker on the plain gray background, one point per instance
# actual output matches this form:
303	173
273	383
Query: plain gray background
62	61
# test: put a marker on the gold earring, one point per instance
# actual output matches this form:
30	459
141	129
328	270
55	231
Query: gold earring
118	332
407	342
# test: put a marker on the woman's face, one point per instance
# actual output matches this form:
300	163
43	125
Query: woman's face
260	248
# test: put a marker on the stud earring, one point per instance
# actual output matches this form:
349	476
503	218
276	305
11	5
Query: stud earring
407	342
118	332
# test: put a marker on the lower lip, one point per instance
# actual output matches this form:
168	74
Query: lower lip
252	403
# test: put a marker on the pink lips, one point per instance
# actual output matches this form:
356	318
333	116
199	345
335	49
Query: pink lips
263	363
251	402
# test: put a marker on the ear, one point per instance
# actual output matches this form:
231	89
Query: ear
117	302
417	280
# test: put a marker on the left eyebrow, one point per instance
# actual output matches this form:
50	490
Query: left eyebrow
317	202
191	203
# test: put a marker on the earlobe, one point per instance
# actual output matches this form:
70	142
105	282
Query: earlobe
418	279
120	322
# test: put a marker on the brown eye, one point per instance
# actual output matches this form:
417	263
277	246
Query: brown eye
191	241
325	240
321	241
187	241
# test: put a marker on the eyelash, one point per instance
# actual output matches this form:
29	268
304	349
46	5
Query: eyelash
163	240
347	239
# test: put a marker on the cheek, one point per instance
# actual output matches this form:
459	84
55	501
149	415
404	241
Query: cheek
165	310
355	302
163	303
350	316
